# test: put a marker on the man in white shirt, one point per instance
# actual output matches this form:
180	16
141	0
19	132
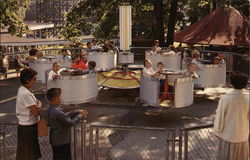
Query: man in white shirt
95	46
153	51
157	46
55	72
231	122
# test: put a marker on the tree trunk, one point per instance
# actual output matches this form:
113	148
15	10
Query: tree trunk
159	18
214	5
171	22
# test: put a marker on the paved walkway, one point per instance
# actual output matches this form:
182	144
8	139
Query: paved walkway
115	107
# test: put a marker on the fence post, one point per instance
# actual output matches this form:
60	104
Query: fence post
173	144
75	141
167	146
185	145
96	143
83	140
180	144
90	142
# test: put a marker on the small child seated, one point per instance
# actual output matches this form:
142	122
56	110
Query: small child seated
171	50
91	66
60	123
148	70
85	57
78	63
32	55
191	71
66	56
165	89
153	50
216	60
39	55
160	67
157	46
55	72
195	59
18	63
221	58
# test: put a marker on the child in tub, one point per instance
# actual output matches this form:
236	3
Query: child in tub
55	72
216	60
78	63
166	89
191	71
195	59
221	58
148	70
91	66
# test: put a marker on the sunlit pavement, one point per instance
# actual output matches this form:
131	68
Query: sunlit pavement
121	107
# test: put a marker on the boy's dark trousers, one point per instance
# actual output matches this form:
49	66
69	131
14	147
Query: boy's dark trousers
62	152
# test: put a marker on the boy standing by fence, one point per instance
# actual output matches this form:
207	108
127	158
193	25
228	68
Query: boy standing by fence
60	124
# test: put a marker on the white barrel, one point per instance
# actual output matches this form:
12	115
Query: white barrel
183	90
76	89
170	61
211	75
40	66
104	60
125	58
149	90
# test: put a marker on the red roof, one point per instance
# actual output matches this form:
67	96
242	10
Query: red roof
221	27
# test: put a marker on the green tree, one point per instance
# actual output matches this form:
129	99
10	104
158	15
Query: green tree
150	17
12	16
101	18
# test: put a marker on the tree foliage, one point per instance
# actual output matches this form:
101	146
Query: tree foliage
151	18
101	18
12	16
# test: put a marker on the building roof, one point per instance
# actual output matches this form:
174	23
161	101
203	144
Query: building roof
6	39
221	27
37	26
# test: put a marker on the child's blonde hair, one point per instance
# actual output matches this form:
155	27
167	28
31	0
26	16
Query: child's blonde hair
147	60
195	54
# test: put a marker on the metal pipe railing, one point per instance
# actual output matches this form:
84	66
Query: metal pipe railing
95	136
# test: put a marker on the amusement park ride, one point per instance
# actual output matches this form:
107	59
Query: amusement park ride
78	89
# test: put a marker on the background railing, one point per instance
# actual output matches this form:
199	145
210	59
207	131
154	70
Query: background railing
98	142
199	143
235	61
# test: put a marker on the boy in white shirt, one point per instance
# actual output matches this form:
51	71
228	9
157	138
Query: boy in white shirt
191	71
55	72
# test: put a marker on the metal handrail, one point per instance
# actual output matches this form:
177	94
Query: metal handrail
203	51
123	127
210	125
